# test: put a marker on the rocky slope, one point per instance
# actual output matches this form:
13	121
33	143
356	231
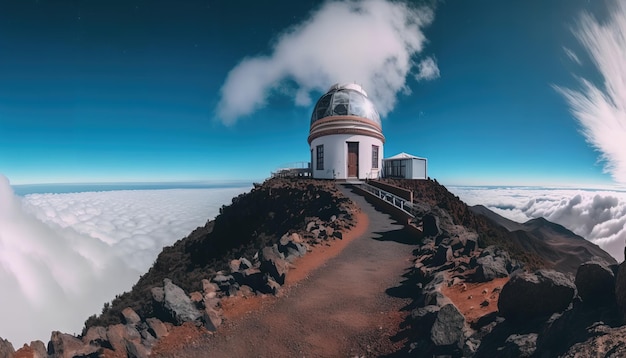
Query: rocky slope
480	296
246	250
481	286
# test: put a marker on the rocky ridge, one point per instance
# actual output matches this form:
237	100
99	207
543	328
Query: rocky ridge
521	306
476	290
242	256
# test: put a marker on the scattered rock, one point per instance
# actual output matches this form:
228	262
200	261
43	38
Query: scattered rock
63	345
542	293
519	345
158	328
448	327
492	263
595	283
178	304
130	317
97	336
610	344
273	262
442	255
430	225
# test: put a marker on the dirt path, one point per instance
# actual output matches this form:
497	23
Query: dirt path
345	307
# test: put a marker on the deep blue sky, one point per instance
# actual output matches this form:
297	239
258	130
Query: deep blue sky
102	91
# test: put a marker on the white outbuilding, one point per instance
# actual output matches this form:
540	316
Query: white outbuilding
345	136
405	166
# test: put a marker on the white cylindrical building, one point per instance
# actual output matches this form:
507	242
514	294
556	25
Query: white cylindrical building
346	135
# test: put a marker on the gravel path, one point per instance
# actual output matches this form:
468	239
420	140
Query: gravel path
347	307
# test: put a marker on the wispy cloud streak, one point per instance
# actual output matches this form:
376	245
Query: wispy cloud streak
601	109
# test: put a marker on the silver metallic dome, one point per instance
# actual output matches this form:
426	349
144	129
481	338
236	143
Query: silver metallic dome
345	100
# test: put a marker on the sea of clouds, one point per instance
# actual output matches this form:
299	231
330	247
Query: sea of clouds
62	256
597	215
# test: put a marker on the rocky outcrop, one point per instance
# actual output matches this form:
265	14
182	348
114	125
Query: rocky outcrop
493	262
529	295
595	283
448	328
63	345
6	349
273	262
620	289
604	341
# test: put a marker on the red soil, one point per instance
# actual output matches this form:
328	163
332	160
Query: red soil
467	297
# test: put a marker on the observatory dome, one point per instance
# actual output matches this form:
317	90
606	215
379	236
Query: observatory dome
345	100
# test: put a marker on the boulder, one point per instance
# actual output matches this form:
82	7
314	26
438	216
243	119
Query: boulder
443	255
158	295
158	328
273	262
63	345
130	317
448	328
209	289
528	295
178	304
126	341
6	349
595	283
211	319
492	263
519	345
606	344
97	336
38	348
430	225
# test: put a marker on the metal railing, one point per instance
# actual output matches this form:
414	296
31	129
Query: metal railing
400	203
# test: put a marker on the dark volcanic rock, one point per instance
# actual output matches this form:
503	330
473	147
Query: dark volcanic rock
448	327
442	255
130	317
430	225
492	263
178	304
620	289
158	328
97	336
519	345
6	349
273	262
609	344
595	283
529	295
63	345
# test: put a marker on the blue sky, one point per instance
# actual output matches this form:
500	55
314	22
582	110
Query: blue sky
109	91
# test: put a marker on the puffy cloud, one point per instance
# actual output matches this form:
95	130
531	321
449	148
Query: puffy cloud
427	70
63	255
601	110
596	215
370	42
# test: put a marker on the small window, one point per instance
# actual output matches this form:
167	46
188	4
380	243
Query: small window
374	157
320	157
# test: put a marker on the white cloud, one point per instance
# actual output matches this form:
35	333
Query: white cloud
597	215
370	42
572	56
63	255
427	70
601	110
